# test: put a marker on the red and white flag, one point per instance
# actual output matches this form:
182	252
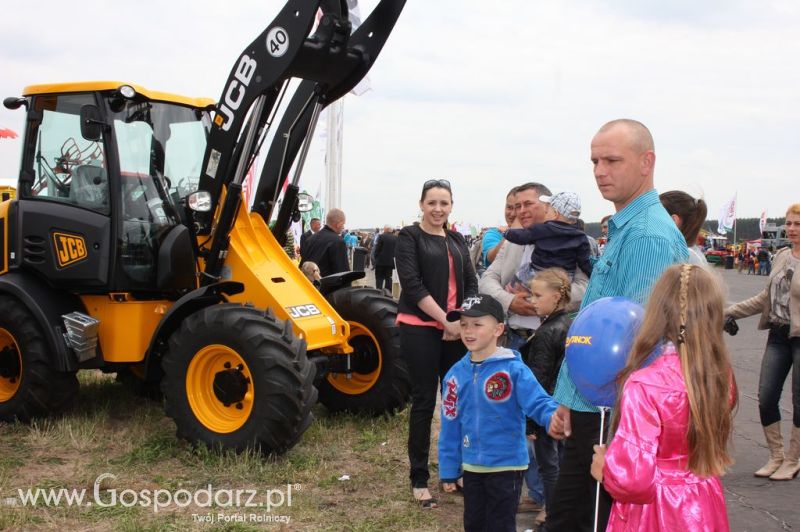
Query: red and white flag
6	133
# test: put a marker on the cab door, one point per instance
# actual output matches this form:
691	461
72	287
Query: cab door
63	222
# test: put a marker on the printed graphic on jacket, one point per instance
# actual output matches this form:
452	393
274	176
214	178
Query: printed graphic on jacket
450	401
498	386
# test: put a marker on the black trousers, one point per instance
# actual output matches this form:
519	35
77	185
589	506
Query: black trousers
490	501
428	358
573	506
383	277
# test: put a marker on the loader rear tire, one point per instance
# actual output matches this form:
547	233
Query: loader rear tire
235	377
383	385
29	386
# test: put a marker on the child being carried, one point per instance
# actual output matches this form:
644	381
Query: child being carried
557	241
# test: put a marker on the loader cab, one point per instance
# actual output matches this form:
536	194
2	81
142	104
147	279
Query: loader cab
104	167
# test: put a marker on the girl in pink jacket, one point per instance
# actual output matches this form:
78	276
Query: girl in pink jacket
673	420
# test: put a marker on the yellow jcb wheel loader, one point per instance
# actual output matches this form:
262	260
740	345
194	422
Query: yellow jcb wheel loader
128	249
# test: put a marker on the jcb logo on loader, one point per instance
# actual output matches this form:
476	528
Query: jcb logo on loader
303	311
234	93
69	249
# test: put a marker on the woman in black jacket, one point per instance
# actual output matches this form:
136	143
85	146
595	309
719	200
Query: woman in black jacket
550	294
436	276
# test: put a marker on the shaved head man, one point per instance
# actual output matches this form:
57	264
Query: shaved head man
335	220
623	156
643	241
326	248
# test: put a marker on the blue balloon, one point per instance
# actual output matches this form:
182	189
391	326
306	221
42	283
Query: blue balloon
598	343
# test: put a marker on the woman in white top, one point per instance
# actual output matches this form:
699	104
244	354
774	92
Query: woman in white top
689	215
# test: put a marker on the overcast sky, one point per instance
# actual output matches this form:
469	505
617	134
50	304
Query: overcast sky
485	94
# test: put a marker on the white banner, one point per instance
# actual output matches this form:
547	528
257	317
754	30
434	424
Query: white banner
727	216
762	223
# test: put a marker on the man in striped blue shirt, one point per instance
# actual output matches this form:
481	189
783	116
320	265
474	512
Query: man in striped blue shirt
642	242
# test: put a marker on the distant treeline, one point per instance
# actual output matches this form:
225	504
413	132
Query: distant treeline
746	228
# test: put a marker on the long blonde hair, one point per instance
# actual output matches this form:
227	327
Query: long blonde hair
686	308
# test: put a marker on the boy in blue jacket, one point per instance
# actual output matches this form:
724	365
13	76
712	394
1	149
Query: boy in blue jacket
486	397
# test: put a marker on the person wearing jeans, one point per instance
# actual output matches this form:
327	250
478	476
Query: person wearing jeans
779	305
534	481
550	296
781	353
548	456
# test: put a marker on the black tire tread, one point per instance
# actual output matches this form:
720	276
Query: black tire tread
43	389
281	413
390	393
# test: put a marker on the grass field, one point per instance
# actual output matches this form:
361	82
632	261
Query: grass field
128	443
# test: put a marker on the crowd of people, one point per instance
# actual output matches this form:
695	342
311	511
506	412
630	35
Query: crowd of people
757	261
329	249
487	329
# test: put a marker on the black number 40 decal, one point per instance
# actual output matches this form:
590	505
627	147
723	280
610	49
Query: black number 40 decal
277	41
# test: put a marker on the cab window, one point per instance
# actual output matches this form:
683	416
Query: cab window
66	167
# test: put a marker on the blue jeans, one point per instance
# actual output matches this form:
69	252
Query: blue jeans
536	489
548	456
513	340
490	501
781	353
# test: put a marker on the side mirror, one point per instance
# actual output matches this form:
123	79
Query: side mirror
199	201
305	202
13	102
91	125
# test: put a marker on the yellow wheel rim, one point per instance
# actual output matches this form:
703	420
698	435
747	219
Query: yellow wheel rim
9	384
205	370
360	338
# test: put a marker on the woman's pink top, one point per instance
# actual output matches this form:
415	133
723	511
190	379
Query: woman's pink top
646	469
410	319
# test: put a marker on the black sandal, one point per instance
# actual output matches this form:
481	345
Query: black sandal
427	503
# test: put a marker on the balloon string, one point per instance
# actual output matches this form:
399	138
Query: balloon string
603	410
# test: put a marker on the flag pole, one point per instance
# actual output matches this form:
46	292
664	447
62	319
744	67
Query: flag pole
734	220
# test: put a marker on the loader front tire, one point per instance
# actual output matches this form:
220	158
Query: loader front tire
380	382
235	377
29	386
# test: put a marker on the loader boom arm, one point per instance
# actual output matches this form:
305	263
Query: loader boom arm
330	62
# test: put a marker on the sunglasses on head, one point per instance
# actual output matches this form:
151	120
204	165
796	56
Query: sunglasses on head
443	183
